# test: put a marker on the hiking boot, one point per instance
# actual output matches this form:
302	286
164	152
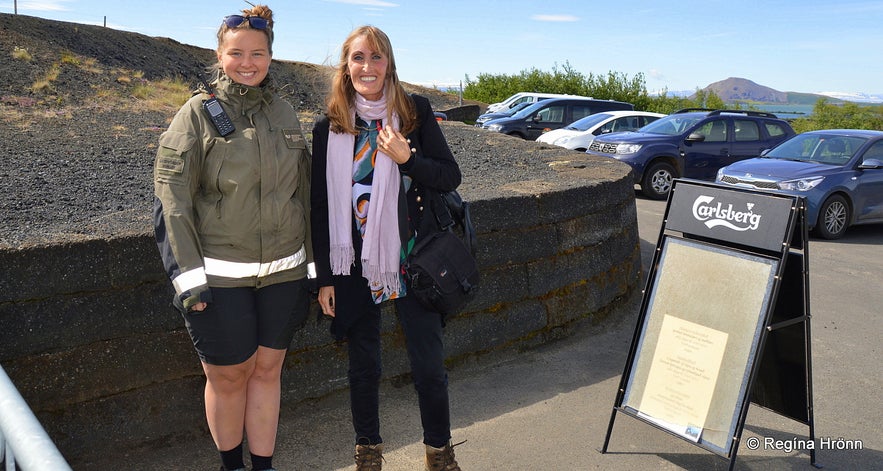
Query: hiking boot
369	457
441	459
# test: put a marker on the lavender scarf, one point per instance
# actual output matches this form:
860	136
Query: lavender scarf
381	247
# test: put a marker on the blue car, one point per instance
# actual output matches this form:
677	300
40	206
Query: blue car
838	171
691	143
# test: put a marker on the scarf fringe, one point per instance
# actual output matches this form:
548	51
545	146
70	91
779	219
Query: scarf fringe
390	281
342	257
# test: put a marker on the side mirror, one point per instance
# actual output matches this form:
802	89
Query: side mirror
871	164
696	137
764	152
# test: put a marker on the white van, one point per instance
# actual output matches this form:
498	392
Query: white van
525	97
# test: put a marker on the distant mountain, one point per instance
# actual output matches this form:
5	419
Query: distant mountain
739	89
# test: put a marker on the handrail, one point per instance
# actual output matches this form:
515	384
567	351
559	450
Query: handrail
25	441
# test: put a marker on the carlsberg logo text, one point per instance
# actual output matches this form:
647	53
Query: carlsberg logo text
715	215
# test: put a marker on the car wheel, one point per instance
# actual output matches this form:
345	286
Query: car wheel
658	180
833	218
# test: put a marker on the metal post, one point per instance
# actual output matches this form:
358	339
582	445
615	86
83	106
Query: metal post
26	441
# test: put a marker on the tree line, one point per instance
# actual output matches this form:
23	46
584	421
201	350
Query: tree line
489	88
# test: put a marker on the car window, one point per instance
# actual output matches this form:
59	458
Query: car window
775	129
746	130
581	111
516	108
585	123
645	120
552	114
714	130
875	152
838	150
626	123
606	128
822	148
672	125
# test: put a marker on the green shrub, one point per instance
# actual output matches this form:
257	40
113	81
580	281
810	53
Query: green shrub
846	116
488	88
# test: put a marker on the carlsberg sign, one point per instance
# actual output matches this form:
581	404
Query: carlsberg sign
753	218
714	215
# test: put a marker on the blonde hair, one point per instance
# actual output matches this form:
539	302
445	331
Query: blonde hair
261	11
343	94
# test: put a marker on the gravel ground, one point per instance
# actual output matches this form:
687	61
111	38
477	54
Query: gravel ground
88	174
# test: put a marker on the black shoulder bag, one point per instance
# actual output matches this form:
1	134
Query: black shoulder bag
441	268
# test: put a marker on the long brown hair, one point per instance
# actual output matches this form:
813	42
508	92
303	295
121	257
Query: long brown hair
261	11
343	94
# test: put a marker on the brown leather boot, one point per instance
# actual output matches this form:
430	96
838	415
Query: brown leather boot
369	457
441	459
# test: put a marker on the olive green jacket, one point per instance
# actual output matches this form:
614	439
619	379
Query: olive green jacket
233	211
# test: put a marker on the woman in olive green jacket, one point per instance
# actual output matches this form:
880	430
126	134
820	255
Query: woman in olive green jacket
231	218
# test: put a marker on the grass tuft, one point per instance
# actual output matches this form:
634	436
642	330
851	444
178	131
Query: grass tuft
21	54
44	84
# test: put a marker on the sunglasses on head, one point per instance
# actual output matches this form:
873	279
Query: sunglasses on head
256	22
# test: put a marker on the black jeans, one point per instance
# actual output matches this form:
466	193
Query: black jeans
423	336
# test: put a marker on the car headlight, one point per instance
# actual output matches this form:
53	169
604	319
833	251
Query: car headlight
801	184
495	127
626	148
561	141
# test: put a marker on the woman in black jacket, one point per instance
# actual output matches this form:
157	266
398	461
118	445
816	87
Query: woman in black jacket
379	157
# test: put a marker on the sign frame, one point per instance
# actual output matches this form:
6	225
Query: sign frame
760	238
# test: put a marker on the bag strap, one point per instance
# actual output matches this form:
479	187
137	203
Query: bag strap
455	211
469	230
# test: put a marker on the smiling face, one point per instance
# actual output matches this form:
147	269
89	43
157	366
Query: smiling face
244	56
367	67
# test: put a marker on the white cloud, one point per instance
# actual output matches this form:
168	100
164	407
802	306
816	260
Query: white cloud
367	3
43	6
555	18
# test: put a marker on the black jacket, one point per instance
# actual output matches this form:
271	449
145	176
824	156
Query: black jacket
432	169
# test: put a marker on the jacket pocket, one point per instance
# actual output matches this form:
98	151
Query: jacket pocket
171	156
294	139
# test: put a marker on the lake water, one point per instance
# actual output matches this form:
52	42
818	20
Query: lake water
786	111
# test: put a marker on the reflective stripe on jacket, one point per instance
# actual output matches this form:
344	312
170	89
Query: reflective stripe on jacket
233	211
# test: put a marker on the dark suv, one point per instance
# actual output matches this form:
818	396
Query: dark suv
691	143
550	114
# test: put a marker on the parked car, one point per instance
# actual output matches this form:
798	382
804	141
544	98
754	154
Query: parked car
838	171
551	114
501	114
691	143
525	97
580	133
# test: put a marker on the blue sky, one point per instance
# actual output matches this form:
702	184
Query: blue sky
802	45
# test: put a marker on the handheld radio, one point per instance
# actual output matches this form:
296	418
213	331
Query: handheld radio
216	112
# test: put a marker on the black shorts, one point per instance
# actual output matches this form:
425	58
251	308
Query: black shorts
237	320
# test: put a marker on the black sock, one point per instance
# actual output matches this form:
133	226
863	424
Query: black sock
261	463
232	459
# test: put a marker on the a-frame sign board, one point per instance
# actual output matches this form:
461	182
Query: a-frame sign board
725	318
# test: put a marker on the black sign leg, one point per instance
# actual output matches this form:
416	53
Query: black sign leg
609	431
